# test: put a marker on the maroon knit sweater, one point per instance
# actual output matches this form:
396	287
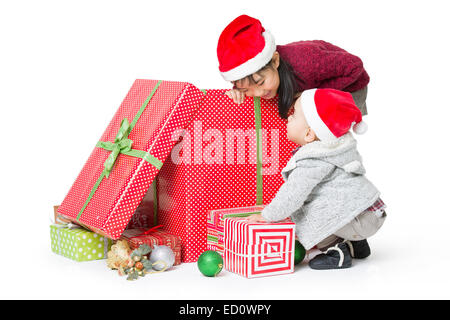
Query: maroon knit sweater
319	64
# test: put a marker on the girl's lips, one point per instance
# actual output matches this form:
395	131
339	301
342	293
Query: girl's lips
267	96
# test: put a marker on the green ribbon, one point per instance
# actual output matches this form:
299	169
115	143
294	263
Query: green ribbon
122	145
259	175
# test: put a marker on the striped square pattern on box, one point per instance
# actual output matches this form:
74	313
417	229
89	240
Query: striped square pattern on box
259	249
215	224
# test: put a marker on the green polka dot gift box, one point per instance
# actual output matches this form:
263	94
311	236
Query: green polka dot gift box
77	243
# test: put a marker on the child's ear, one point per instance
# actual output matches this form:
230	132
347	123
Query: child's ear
276	59
310	135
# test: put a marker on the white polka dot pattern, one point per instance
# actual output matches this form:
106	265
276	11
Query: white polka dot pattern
187	191
118	196
78	244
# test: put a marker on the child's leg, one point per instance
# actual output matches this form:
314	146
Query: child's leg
362	227
328	242
340	256
358	230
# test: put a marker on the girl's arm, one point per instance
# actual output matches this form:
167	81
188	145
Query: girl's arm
320	64
293	193
337	68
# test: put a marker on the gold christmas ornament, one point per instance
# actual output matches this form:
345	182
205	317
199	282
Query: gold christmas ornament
119	256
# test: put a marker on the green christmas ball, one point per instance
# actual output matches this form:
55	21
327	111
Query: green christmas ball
210	263
300	252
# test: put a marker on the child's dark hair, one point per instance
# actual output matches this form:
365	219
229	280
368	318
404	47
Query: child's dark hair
286	90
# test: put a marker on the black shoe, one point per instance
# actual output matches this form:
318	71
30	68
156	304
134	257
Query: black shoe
359	249
337	257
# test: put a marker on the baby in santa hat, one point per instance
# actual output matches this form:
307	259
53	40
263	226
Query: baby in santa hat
335	207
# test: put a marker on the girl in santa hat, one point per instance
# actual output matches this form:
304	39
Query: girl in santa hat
249	58
335	207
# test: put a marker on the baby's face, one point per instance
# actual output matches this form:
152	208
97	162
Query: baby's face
297	127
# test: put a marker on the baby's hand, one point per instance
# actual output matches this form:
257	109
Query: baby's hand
236	95
255	218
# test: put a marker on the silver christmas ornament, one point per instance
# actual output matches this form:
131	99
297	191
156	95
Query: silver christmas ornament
162	258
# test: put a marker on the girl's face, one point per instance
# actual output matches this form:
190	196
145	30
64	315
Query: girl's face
266	82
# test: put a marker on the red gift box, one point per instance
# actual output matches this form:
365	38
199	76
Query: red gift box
259	249
129	154
215	224
136	237
229	156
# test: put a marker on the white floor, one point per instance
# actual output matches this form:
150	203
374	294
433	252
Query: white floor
391	272
67	67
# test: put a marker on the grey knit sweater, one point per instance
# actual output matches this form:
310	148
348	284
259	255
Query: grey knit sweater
324	189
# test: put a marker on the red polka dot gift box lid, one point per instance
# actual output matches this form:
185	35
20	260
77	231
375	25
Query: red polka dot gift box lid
129	155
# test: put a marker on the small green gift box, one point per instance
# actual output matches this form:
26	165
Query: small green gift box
77	243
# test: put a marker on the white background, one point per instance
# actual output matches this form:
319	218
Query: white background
65	67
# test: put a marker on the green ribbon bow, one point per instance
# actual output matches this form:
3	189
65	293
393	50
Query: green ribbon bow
121	145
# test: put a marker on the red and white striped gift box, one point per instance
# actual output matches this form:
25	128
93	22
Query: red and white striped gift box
259	249
215	224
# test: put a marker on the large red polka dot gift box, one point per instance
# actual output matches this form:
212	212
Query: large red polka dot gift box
229	156
129	154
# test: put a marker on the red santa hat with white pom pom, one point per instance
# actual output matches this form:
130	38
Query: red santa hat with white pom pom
244	47
331	113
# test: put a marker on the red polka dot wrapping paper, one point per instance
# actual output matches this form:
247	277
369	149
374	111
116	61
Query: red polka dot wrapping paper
258	249
136	238
117	197
199	175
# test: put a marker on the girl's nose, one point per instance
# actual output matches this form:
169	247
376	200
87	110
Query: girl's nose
252	92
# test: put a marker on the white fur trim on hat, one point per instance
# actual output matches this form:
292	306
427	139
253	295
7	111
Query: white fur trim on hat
360	127
254	64
313	118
